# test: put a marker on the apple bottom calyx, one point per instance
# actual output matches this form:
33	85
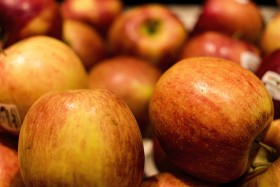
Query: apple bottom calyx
9	119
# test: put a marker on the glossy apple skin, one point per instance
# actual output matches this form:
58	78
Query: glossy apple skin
206	113
270	35
271	64
150	31
211	43
34	66
9	164
167	179
131	78
234	17
98	14
20	19
88	44
81	138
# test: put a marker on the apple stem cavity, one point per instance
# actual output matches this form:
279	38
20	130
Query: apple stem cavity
151	27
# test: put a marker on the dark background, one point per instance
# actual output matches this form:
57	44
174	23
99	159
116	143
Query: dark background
186	2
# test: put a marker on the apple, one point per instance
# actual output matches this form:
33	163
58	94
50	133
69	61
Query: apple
32	67
9	164
241	18
23	18
131	78
81	138
88	44
270	35
149	31
207	113
98	14
167	179
269	73
217	44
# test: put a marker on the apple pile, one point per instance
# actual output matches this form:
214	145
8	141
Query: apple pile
98	93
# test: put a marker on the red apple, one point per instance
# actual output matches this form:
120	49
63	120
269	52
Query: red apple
97	13
88	44
167	179
131	78
81	138
216	44
149	31
269	73
23	18
29	69
241	18
9	164
207	113
270	36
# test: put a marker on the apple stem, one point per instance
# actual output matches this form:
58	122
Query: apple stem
267	147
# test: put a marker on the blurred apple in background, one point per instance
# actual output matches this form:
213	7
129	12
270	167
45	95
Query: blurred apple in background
240	18
216	44
207	113
32	67
9	164
270	39
23	18
131	78
81	138
269	73
85	41
167	179
149	31
97	13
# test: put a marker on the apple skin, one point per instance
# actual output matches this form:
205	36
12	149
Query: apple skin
34	66
270	65
206	112
98	14
81	138
131	78
149	31
217	44
20	19
234	17
88	44
9	164
270	35
167	179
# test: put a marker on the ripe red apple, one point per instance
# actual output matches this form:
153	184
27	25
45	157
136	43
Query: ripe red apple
9	164
131	78
241	18
270	36
167	179
207	113
99	14
149	31
217	44
269	73
88	44
32	67
81	138
23	18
